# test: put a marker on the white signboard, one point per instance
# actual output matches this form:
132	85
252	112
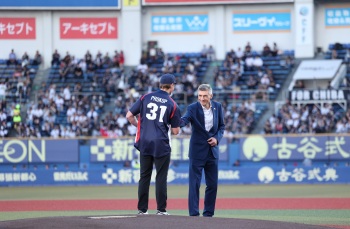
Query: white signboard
317	69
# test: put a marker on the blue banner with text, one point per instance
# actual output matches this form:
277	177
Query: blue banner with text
261	21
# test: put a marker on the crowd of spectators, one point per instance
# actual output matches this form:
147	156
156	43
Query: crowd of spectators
310	118
246	69
15	87
71	103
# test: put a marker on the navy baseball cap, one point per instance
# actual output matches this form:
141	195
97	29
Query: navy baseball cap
167	79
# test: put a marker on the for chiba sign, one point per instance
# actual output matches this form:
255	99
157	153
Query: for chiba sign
17	28
88	28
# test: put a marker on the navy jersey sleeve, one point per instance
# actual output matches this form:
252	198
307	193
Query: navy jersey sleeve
176	117
136	107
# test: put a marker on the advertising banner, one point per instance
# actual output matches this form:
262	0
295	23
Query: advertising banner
180	23
318	95
88	28
206	2
17	28
254	21
260	148
304	23
120	150
337	17
129	176
38	151
66	4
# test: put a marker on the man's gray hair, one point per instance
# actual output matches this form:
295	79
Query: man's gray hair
205	87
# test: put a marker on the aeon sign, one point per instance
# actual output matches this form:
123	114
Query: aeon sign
16	151
39	151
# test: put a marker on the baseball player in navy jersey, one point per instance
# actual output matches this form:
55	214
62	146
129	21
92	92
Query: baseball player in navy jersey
158	115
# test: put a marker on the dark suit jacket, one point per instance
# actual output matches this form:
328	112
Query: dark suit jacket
199	146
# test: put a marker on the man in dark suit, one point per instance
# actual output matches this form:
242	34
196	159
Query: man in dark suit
207	121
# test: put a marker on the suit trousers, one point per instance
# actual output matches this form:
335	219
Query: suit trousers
210	167
162	167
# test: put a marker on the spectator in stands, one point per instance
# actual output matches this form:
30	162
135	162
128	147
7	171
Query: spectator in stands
17	119
98	60
211	53
12	58
250	105
248	49
334	54
56	58
267	127
121	59
252	82
88	58
275	49
92	115
107	61
37	58
142	67
78	72
258	62
167	64
239	53
3	91
266	50
204	52
63	70
55	132
249	62
3	129
25	59
299	84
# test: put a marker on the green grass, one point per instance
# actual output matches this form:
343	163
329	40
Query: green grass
316	217
174	191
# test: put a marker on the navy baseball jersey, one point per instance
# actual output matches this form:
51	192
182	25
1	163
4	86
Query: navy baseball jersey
158	113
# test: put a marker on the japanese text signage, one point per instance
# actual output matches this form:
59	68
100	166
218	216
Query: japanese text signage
112	150
176	175
88	28
38	151
278	21
180	23
17	28
337	17
258	148
66	4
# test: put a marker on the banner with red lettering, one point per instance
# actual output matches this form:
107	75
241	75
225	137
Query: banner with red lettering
88	28
193	2
17	28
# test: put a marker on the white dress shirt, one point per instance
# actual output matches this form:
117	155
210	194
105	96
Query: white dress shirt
208	118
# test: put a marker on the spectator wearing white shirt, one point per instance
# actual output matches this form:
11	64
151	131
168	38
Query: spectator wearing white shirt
92	115
249	63
59	103
55	132
50	119
66	94
121	121
3	116
52	91
70	112
3	89
258	62
3	130
132	130
239	53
